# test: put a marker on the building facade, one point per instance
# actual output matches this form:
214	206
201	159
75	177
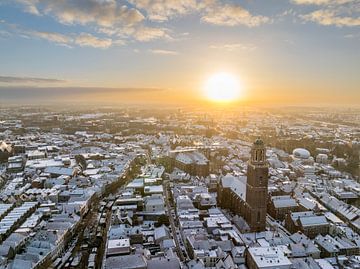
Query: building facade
257	187
249	199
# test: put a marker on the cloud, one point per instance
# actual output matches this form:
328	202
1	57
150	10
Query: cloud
322	2
82	40
140	33
211	11
163	10
331	17
30	6
106	17
104	13
233	47
232	15
352	36
332	12
9	79
4	34
52	37
68	40
150	33
88	40
129	20
163	52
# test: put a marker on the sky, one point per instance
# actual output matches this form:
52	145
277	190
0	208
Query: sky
282	51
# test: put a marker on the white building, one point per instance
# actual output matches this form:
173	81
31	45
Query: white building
118	247
267	257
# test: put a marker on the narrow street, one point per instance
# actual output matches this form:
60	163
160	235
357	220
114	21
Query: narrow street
89	241
172	222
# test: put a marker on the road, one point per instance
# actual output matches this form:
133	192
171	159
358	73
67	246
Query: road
172	223
90	222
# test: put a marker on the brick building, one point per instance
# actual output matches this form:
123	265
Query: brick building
247	196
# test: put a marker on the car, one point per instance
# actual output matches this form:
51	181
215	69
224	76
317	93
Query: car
91	265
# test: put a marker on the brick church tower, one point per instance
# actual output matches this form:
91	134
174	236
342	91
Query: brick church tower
257	187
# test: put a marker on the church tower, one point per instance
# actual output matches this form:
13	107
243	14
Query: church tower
257	187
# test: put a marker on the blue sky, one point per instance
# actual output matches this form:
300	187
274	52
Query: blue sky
307	49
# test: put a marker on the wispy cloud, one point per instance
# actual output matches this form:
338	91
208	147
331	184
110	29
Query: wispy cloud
352	36
332	12
52	37
68	40
211	11
82	40
102	13
150	33
30	6
322	2
88	40
163	52
110	22
114	14
160	10
331	17
106	23
115	20
234	47
10	79
232	15
4	34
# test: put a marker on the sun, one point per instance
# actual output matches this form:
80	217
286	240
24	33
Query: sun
222	87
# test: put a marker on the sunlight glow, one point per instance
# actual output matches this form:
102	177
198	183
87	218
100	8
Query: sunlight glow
222	87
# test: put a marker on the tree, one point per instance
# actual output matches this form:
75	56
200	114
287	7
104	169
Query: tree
163	220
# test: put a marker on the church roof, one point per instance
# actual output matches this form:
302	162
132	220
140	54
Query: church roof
236	184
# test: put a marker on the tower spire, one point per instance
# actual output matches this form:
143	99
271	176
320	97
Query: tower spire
258	153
